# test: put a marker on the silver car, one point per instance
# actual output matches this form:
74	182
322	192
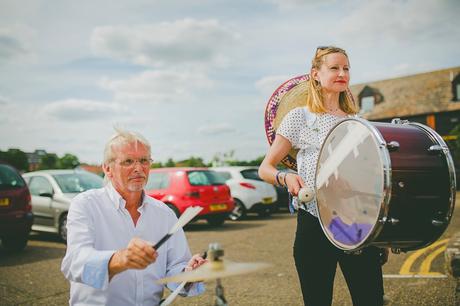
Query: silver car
52	191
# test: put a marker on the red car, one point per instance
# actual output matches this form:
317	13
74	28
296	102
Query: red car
15	209
180	188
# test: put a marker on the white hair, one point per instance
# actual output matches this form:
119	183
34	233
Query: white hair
122	137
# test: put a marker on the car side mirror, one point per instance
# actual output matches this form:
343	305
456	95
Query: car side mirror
46	194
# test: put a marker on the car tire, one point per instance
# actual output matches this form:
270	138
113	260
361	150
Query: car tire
239	212
63	228
216	220
265	212
15	243
174	209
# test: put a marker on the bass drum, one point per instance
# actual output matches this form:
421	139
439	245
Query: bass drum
395	188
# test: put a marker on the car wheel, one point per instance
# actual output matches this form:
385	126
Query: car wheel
238	212
15	243
264	212
216	220
63	228
174	209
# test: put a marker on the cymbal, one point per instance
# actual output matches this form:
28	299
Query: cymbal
213	270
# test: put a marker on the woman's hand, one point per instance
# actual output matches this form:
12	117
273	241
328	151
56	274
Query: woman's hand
293	183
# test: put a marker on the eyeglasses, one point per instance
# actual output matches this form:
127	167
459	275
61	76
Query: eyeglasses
130	162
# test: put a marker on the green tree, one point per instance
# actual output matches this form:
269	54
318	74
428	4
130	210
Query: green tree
193	162
170	163
68	161
49	161
16	158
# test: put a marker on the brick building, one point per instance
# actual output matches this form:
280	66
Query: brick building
431	98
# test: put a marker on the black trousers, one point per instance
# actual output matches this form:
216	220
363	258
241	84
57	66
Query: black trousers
316	262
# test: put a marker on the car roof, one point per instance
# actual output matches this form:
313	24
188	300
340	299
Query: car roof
237	168
55	171
174	169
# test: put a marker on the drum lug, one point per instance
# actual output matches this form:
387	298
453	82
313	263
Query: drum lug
437	223
392	221
395	250
435	149
393	146
399	121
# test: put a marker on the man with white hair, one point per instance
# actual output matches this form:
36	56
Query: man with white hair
110	259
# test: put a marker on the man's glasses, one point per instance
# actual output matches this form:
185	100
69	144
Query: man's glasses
130	162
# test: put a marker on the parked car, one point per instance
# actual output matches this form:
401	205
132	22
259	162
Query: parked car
52	191
180	188
15	209
250	193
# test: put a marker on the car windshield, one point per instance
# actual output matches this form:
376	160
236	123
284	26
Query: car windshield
205	177
251	174
78	181
9	178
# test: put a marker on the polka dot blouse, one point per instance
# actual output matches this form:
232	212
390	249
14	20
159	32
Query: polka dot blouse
307	131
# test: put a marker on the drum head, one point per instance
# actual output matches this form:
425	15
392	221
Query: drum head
351	184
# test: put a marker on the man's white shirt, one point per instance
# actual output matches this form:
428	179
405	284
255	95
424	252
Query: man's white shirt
98	224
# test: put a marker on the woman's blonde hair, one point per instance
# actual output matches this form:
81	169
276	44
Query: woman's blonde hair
315	97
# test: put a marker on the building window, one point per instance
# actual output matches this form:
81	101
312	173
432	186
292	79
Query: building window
367	104
456	88
369	97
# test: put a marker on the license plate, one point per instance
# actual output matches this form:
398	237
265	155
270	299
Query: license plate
267	200
215	207
4	202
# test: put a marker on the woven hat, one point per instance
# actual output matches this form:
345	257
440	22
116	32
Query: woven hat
291	94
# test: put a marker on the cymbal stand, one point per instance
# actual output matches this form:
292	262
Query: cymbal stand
220	299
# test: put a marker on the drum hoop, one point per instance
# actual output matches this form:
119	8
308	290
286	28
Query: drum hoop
451	169
385	204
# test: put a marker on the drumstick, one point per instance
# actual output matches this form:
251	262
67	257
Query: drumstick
185	218
174	294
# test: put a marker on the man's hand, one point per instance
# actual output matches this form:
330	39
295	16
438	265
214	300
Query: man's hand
137	255
195	262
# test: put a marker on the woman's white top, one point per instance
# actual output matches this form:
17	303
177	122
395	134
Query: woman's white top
306	131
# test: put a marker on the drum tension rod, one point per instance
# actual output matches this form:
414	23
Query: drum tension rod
437	222
392	221
434	149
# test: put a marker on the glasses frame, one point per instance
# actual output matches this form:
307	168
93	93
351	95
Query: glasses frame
131	162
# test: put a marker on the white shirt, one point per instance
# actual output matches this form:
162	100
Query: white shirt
306	132
98	224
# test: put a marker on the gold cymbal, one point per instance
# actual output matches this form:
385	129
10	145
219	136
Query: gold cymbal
213	270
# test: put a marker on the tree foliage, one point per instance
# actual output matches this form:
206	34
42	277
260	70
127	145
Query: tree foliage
15	158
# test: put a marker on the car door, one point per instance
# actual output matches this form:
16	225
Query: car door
42	192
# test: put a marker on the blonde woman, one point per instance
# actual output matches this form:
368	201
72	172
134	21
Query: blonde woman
315	257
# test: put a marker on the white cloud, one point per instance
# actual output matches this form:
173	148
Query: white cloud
165	44
216	129
267	85
75	109
158	86
382	21
15	42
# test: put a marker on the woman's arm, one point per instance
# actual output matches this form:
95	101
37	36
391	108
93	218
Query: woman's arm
268	172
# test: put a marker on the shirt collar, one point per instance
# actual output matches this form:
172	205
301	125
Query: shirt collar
118	201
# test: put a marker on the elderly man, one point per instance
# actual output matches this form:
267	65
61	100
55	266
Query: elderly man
110	259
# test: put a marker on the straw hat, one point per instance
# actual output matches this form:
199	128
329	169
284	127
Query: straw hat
291	94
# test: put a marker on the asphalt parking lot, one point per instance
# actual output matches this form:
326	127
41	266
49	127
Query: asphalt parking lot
416	278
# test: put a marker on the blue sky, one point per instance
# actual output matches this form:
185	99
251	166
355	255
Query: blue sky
192	76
